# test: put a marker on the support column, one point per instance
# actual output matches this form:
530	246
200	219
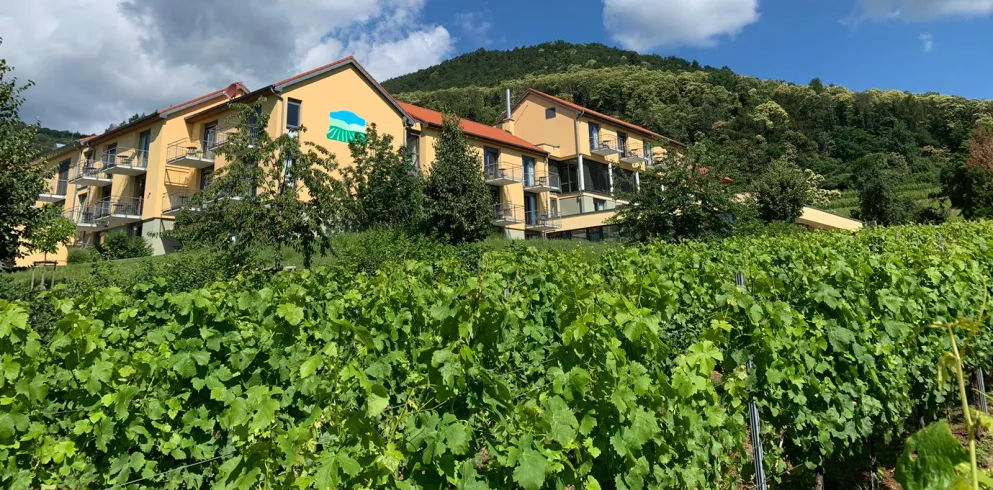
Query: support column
582	183
637	181
610	176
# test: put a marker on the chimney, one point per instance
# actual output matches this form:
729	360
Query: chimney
508	122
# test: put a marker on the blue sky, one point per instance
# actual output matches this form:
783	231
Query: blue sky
150	54
795	41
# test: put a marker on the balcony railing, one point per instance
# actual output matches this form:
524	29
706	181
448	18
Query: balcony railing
125	162
89	172
84	217
544	180
537	221
636	156
228	136
174	202
507	214
121	208
192	154
56	192
604	148
502	173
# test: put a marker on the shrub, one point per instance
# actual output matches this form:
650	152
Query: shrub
81	256
121	246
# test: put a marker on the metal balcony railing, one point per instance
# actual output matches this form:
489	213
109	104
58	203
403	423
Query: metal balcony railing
535	220
507	214
502	173
543	180
119	207
88	169
635	156
173	202
61	187
83	216
184	151
604	147
229	135
129	158
55	191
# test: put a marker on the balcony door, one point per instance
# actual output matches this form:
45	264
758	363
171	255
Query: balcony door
62	185
110	155
209	139
528	171
144	144
594	136
530	208
491	161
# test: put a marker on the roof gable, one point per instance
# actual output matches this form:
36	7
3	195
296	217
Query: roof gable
595	115
478	130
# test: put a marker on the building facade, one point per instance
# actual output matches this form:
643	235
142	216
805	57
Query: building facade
553	166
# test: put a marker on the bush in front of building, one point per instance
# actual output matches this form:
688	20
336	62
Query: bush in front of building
81	256
121	246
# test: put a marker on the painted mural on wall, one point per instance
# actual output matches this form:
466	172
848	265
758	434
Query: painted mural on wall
345	126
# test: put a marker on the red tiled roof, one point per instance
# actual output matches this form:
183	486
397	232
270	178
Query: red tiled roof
230	91
479	130
315	70
600	115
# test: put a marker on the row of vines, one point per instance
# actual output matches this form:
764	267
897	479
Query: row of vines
530	369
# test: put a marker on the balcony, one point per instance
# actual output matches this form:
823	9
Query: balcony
55	193
89	173
126	162
604	148
500	173
230	137
173	203
637	156
535	221
507	214
84	217
191	154
117	211
542	181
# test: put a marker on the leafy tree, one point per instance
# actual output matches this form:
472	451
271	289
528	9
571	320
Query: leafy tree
459	206
51	230
969	184
784	189
121	246
682	197
273	193
21	179
386	191
880	203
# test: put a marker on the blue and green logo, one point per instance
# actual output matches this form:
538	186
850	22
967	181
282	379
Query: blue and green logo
346	126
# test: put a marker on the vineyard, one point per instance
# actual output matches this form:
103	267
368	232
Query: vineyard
531	369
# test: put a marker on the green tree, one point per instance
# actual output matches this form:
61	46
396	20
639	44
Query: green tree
782	192
682	197
51	230
21	178
969	184
385	189
273	193
459	203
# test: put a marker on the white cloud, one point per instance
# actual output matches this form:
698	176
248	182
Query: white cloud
96	62
476	25
646	24
916	10
928	42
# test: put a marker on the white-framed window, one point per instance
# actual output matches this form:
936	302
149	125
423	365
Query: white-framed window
293	114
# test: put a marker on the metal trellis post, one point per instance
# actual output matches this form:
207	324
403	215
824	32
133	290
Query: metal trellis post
754	425
981	391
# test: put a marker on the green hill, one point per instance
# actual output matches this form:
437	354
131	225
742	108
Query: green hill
829	128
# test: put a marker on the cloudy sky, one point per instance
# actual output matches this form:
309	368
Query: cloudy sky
96	62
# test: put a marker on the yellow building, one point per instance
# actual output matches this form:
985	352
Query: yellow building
553	166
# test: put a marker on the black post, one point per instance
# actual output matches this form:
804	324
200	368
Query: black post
754	424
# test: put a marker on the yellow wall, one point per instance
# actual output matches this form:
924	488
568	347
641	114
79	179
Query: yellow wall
560	132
